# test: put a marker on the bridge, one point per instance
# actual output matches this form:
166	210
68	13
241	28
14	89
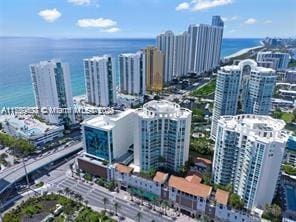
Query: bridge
16	173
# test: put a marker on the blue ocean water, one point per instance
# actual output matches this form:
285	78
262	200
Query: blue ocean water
17	53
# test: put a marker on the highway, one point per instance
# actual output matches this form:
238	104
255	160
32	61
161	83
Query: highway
17	172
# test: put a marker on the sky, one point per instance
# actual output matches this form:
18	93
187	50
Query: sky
144	18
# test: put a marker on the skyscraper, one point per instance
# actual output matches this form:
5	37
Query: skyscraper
248	155
181	54
99	80
165	42
52	88
205	46
243	88
217	21
132	73
154	61
162	134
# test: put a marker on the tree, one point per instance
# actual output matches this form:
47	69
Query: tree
236	202
272	212
105	201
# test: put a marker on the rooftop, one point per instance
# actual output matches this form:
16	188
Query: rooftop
185	186
28	127
194	179
107	122
160	177
222	196
123	169
203	160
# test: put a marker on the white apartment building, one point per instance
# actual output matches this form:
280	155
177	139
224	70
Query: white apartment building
243	88
279	60
161	135
100	80
132	73
52	90
249	150
165	43
181	54
204	47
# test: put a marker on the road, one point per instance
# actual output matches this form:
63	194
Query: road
95	194
15	173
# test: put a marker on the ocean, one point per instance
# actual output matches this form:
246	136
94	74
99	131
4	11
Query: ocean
17	53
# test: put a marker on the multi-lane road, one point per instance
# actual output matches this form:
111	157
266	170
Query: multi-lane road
95	194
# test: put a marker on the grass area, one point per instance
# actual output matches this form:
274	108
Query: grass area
40	207
40	184
292	64
205	90
87	214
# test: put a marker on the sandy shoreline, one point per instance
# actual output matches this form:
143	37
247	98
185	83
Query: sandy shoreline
243	51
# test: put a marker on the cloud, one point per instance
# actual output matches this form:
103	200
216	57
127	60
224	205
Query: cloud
267	22
96	23
50	15
232	31
111	30
250	21
200	5
183	6
228	19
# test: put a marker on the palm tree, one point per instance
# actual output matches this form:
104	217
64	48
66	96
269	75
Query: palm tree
139	216
105	201
116	206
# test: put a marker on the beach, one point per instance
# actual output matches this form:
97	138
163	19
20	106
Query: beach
244	51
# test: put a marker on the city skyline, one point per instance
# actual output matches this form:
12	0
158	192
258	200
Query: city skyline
99	19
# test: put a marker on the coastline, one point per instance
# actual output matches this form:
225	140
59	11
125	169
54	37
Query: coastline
244	51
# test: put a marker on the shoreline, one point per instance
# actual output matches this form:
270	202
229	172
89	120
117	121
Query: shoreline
244	51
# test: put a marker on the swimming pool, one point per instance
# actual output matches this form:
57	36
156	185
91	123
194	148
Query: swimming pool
291	197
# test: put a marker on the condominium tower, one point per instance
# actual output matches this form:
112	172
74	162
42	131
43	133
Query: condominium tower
248	155
161	135
99	80
132	73
181	54
165	43
52	89
278	60
243	88
154	61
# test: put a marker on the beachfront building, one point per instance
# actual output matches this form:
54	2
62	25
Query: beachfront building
154	63
181	54
132	73
278	59
52	90
243	88
39	133
246	148
204	46
100	80
161	135
165	43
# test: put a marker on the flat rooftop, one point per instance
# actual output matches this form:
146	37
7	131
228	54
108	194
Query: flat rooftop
107	122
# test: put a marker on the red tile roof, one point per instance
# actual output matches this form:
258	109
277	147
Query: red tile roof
123	169
222	196
160	177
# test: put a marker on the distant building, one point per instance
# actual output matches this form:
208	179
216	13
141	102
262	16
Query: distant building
280	60
290	76
243	88
31	129
181	55
247	148
205	46
52	89
154	62
100	80
161	135
166	44
132	73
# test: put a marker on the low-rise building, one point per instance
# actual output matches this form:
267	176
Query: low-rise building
31	129
290	154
